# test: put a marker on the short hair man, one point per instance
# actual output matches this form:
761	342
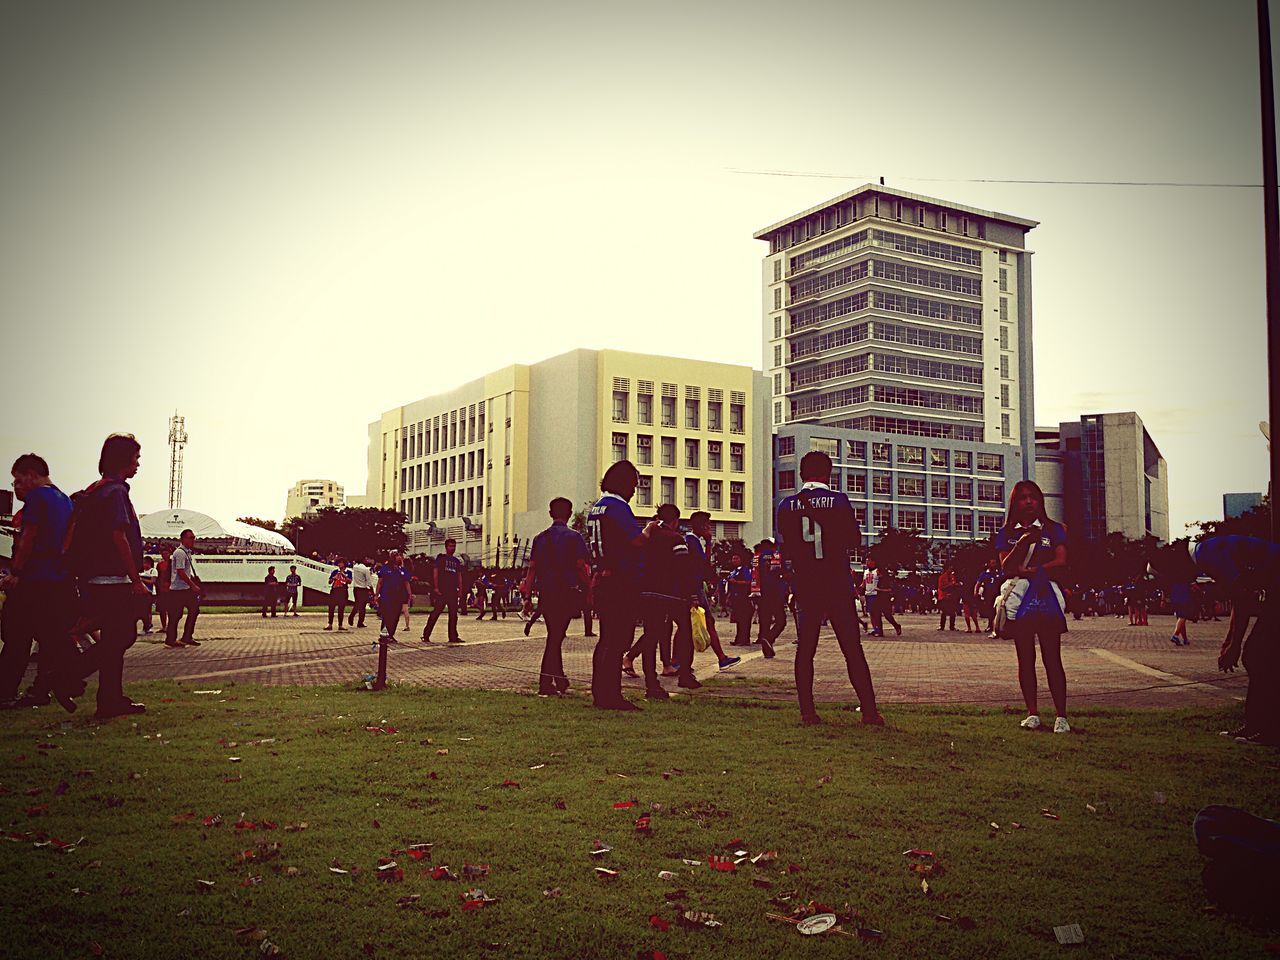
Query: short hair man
362	588
559	567
698	540
270	591
446	582
185	591
292	586
741	611
818	529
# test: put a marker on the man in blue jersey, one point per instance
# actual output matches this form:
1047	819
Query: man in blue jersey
773	594
559	566
616	540
447	589
818	529
740	609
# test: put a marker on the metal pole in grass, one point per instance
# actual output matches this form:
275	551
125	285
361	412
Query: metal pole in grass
1271	233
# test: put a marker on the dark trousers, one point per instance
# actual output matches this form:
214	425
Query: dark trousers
819	600
586	619
180	600
655	635
1261	657
947	611
113	608
269	600
43	613
389	612
557	610
162	608
741	615
145	605
617	606
338	604
447	599
880	608
290	597
361	605
773	617
18	632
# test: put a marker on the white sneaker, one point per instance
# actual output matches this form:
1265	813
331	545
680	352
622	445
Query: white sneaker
1031	723
1061	726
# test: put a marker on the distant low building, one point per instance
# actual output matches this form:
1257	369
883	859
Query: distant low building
1104	474
308	496
1238	504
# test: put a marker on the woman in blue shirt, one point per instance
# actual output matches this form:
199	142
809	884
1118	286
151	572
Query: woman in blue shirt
1034	548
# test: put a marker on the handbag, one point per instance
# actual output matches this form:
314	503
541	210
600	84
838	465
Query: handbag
698	624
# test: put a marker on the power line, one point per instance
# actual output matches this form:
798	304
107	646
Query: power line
1064	183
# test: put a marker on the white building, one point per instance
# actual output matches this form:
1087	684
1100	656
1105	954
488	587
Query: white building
482	462
308	496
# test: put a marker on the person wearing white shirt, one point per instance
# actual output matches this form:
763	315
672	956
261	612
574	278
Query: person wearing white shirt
362	585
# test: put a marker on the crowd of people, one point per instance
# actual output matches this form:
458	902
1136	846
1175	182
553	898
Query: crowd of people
80	585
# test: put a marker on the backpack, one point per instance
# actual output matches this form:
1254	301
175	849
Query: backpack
79	549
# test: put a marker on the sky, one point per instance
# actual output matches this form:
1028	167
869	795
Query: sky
281	219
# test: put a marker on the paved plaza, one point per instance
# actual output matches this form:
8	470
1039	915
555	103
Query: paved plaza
1108	663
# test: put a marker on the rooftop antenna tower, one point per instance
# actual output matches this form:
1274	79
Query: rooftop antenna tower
177	441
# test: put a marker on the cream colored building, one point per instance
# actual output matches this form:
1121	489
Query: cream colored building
482	462
308	496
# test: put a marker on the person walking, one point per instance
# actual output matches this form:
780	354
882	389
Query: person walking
446	580
292	587
818	530
395	589
1033	548
104	547
185	591
879	599
773	595
339	577
270	592
948	597
740	609
164	572
698	541
362	588
616	540
986	589
149	577
664	600
560	570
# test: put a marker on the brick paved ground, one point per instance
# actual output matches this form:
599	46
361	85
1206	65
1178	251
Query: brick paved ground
1108	663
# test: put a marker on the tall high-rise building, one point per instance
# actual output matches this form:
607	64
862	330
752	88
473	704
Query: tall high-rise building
897	336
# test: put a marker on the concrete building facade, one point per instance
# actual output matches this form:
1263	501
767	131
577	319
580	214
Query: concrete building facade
308	496
1238	504
481	463
1104	474
901	323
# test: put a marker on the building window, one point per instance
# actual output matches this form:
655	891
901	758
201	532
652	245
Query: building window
941	520
828	445
691	493
881	517
880	453
964	490
1004	256
668	451
1004	366
619	407
881	484
715	495
963	460
990	492
1004	279
691	415
911	519
668	490
777	328
940	489
939	458
714	455
644	449
1004	338
644	408
777	384
777	354
1005	429
619	447
777	270
911	486
964	523
786	446
911	455
777	414
855	482
737	496
1004	396
857	450
692	458
777	298
737	458
668	411
737	418
990	463
1004	308
644	491
988	523
713	415
786	479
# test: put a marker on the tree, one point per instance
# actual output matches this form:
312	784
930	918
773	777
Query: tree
722	552
1255	523
901	550
1114	559
579	520
348	532
970	559
255	522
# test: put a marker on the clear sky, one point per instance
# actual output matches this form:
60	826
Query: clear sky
283	218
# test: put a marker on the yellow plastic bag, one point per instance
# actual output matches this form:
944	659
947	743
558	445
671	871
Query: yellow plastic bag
701	636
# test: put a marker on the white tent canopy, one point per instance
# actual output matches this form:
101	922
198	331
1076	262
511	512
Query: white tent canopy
169	524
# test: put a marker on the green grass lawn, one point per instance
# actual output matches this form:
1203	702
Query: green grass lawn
839	802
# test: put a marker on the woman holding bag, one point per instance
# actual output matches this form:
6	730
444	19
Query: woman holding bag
1032	548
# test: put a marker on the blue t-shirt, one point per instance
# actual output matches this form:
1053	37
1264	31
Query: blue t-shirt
555	555
46	513
817	529
393	584
612	528
1039	597
448	570
1230	557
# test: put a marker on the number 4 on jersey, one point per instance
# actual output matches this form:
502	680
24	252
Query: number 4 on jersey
811	531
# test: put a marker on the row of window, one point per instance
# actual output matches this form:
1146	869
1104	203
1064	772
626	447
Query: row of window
928	399
831	370
445	432
989	491
908	455
829	401
692	452
692	493
916	246
913	428
890	363
932	339
932	309
921	277
829	311
830	340
813	286
445	470
692	411
441	506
